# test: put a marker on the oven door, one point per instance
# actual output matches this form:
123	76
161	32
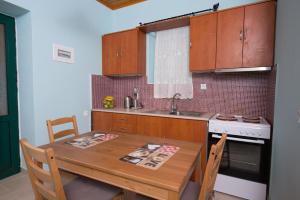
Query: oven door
243	157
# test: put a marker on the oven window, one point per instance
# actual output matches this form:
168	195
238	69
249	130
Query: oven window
243	160
242	157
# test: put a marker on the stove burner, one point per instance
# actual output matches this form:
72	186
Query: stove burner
226	117
251	119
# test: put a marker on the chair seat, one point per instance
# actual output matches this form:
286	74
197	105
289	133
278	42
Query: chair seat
88	189
190	192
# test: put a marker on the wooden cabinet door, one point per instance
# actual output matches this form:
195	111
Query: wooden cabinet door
259	32
124	53
129	52
111	48
230	38
101	121
187	130
149	126
203	47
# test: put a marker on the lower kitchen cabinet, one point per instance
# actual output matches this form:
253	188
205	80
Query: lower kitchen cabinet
187	130
150	126
155	126
124	123
101	121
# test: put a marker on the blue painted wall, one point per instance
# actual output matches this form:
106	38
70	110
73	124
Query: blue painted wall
152	10
50	89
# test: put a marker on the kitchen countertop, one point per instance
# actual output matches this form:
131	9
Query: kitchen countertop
203	117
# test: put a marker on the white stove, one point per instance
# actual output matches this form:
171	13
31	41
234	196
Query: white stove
240	126
245	163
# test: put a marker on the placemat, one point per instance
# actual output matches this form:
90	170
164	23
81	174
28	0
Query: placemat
91	140
151	156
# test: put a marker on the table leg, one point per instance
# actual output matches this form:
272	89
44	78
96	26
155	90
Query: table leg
173	196
198	171
128	195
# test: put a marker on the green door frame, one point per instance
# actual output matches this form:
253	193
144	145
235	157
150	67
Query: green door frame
12	96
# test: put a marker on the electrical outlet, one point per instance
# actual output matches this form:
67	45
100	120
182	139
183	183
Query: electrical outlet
203	86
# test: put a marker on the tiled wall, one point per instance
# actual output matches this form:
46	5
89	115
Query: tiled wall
240	93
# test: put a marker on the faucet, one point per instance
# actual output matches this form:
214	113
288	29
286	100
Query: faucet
173	105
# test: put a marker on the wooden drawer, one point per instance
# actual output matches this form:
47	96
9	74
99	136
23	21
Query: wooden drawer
124	123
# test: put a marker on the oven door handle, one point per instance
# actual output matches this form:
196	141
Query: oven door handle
240	139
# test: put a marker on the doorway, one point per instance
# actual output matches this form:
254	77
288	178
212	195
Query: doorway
9	131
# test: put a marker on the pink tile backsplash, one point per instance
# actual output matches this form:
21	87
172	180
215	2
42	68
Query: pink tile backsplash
239	93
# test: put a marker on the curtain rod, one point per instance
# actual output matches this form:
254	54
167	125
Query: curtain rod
215	8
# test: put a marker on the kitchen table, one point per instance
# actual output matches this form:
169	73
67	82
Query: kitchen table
102	162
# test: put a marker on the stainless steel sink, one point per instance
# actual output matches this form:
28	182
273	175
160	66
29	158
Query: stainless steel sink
178	113
159	112
187	113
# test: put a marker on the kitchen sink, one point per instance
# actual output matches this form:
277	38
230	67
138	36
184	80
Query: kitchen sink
159	112
187	113
178	113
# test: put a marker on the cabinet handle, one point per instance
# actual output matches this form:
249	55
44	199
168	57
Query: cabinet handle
241	35
117	54
190	44
245	33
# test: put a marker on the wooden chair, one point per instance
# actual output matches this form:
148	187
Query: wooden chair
212	168
191	192
63	133
47	184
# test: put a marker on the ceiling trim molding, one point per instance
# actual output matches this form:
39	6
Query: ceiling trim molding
117	4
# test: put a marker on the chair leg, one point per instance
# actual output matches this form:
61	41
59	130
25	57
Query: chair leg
212	196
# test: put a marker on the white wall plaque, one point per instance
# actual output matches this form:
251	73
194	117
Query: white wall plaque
63	54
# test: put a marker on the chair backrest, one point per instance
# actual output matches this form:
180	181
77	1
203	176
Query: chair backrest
46	184
63	133
212	169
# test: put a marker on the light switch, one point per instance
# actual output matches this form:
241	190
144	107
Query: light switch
299	116
203	86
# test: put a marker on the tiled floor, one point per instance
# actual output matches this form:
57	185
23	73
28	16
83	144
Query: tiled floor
18	187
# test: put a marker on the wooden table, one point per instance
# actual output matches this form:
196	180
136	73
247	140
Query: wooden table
101	162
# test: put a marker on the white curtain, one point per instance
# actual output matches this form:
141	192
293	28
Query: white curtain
171	68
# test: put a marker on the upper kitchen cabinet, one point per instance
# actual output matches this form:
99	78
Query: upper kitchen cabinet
111	61
245	36
259	35
230	38
124	53
203	42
